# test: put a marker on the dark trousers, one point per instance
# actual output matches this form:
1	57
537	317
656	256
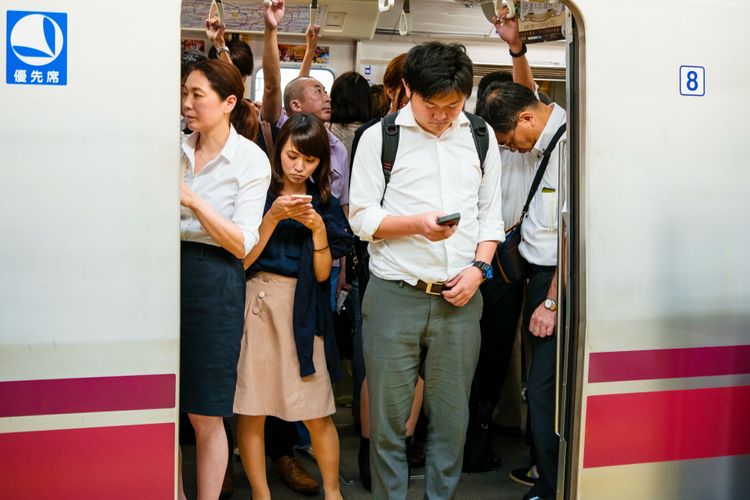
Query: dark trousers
280	436
541	385
502	307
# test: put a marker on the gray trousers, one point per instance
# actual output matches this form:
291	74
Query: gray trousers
406	331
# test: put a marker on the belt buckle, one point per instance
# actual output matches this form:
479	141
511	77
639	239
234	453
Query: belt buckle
429	291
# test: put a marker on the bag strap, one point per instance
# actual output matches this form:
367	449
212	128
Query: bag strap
540	171
389	148
265	128
480	135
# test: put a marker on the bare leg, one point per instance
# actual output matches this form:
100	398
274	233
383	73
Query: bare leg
416	406
210	454
325	442
180	488
253	453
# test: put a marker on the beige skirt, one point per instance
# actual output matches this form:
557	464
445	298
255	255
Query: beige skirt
268	379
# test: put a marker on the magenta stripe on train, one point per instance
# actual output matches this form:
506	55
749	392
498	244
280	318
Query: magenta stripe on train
85	395
669	363
125	462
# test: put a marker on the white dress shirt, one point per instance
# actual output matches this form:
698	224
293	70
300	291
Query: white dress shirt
234	183
539	230
429	174
517	176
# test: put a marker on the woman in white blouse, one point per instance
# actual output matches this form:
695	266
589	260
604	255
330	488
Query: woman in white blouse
224	183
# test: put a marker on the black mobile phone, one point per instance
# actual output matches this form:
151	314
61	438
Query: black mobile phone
449	220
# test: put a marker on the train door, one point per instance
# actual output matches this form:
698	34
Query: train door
89	264
654	394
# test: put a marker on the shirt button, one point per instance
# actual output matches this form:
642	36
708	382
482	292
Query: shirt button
256	310
261	294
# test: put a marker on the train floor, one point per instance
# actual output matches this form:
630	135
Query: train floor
478	486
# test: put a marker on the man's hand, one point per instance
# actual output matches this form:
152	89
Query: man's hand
542	322
273	13
430	229
508	29
463	287
215	32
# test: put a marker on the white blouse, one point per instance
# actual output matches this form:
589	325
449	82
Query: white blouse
234	183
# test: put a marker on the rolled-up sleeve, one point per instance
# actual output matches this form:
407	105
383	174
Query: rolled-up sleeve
491	227
367	186
251	199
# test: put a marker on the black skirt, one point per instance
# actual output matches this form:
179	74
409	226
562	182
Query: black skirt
212	303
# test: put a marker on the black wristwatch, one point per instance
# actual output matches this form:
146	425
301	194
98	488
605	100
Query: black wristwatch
484	267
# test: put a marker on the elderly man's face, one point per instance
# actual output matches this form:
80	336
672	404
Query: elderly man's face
315	100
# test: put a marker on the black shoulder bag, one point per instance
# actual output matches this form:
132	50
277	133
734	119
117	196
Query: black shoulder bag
514	268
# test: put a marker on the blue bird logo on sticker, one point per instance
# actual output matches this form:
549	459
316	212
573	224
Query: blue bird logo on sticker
37	40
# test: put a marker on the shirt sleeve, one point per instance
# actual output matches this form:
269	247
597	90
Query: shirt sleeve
491	227
340	163
251	198
367	186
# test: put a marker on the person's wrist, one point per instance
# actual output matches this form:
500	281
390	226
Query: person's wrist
517	49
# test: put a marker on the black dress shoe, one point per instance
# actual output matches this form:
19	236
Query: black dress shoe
365	477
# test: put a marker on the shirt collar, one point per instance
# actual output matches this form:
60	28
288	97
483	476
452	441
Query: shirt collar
555	121
406	117
228	151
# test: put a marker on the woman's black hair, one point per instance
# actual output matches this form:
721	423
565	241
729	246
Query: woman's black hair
240	53
350	99
310	137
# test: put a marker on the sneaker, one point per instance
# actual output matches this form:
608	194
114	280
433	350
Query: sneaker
526	476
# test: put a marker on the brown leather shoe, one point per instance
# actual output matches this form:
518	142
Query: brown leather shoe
295	476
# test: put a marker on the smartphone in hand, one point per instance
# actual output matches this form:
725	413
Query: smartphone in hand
305	197
449	220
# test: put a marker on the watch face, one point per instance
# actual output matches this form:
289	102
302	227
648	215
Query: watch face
550	304
488	275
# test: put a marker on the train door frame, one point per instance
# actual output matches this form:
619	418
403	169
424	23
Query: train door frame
571	330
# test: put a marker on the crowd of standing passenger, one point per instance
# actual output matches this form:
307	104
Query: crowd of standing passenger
287	202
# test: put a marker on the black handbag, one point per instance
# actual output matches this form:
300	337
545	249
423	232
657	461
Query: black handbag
512	266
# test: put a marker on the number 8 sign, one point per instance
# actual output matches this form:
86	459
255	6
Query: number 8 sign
693	80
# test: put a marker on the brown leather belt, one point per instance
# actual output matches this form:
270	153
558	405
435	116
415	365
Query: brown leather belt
430	288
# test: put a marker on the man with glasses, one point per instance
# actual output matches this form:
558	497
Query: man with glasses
502	301
523	124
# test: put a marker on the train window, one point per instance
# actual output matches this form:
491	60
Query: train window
289	73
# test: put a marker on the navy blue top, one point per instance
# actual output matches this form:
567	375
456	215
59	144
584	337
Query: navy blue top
289	252
282	252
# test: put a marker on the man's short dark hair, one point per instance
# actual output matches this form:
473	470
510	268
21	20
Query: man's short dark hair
437	68
502	102
490	78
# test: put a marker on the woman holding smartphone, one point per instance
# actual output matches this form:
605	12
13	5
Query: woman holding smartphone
288	356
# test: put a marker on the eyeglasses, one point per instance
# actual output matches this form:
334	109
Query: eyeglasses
509	146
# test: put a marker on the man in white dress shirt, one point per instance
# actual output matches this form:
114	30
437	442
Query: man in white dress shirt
522	123
421	310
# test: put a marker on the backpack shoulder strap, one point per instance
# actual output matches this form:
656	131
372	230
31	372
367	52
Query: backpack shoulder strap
390	146
480	135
